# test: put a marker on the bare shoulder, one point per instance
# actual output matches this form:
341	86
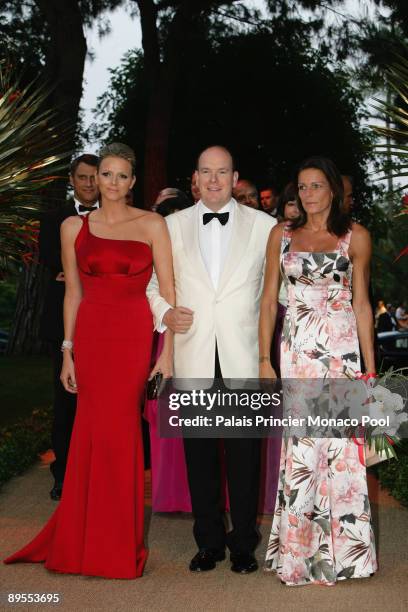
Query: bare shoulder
360	243
277	231
360	235
152	220
275	237
359	229
71	226
141	214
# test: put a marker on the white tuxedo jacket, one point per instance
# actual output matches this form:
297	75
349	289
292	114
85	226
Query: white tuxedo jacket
227	315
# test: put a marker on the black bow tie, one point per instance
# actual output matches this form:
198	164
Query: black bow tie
222	217
83	209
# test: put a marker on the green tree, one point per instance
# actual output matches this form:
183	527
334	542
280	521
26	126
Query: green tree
31	150
222	94
47	38
169	31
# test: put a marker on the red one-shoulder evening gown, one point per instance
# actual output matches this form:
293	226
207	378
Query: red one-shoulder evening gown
97	529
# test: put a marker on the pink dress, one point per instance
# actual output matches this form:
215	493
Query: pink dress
170	492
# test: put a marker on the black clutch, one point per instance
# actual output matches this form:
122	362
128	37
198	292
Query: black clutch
154	386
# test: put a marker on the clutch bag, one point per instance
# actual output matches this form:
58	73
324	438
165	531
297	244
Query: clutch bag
154	386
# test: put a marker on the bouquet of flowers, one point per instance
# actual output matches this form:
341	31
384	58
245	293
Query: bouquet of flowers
383	416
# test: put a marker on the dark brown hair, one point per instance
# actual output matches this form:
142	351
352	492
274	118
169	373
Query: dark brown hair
338	222
289	194
86	158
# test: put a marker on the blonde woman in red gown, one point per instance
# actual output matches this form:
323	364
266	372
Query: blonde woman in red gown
108	256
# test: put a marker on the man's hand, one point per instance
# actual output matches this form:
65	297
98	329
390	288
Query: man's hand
178	319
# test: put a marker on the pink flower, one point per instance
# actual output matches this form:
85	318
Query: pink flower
336	364
306	370
293	520
293	264
348	495
322	463
342	333
351	457
324	489
340	466
320	306
303	541
294	571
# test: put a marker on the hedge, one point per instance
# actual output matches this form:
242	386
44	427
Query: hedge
393	474
21	443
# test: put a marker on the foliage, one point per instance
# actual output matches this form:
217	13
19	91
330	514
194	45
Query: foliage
30	147
397	76
389	274
399	12
390	393
21	443
29	386
8	295
22	26
393	474
23	38
395	150
272	113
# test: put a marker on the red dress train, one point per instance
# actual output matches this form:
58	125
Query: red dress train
97	529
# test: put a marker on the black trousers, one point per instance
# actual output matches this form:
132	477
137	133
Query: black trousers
204	469
64	416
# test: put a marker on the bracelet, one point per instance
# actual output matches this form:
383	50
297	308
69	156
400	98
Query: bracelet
367	376
264	358
67	345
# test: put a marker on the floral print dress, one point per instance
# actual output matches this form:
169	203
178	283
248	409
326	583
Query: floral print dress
321	529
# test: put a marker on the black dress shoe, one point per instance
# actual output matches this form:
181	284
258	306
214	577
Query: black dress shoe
243	563
56	491
206	559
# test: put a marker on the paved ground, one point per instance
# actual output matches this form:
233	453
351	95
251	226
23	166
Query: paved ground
168	585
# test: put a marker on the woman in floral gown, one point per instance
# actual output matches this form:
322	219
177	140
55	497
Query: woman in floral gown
321	529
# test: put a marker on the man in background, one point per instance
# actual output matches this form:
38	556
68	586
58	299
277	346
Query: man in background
85	198
269	200
170	193
246	193
348	193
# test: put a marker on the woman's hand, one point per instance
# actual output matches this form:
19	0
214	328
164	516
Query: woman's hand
369	379
164	364
68	373
266	370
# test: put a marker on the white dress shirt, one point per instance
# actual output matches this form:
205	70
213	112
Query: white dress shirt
214	240
77	204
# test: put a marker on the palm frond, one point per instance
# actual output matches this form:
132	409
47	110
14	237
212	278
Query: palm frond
395	150
32	156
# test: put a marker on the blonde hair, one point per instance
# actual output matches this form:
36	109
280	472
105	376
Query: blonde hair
118	149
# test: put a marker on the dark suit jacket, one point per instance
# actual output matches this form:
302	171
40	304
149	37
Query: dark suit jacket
52	325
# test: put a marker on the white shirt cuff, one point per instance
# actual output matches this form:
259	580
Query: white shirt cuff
160	326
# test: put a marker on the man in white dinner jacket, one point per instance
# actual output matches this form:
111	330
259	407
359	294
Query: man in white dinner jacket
218	256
